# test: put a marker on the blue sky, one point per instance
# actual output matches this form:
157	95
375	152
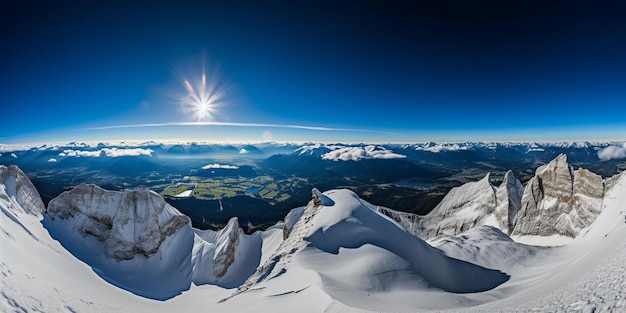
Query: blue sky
362	70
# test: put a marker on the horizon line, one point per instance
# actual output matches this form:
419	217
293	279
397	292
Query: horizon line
239	124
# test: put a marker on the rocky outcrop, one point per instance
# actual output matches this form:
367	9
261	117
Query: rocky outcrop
559	200
128	223
226	240
508	199
474	204
409	221
17	186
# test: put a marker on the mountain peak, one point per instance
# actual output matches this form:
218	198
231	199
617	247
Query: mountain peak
19	188
127	222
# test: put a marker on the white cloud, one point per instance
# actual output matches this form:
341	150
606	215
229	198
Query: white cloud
79	153
6	148
52	160
359	153
612	152
220	166
13	155
109	152
436	148
115	152
243	151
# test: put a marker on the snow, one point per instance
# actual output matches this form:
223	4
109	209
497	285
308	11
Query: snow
184	194
546	241
341	256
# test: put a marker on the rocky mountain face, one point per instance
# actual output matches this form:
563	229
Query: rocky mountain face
227	240
559	200
17	187
508	201
128	222
474	204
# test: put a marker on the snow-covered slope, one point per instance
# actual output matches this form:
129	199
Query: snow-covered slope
338	255
587	275
348	244
137	241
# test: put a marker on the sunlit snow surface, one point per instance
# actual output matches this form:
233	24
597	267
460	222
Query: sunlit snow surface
346	258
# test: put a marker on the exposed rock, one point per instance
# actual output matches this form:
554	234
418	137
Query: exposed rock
463	208
128	222
409	221
559	201
226	242
18	186
508	199
290	220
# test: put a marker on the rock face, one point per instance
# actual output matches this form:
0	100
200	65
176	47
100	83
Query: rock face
474	204
227	241
17	186
559	200
128	222
508	199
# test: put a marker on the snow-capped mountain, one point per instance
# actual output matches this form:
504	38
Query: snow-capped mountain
339	231
19	192
137	241
337	254
466	207
557	202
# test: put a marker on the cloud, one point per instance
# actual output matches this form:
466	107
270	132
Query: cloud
219	166
79	153
243	151
109	152
114	152
436	148
612	152
13	155
359	153
52	160
234	124
6	148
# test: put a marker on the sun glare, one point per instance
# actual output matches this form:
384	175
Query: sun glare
204	96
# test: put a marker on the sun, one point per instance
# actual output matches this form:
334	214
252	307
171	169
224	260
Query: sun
203	97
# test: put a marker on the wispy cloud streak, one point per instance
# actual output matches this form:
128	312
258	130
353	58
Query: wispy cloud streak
233	124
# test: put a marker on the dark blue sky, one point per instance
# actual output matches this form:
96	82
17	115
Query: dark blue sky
408	71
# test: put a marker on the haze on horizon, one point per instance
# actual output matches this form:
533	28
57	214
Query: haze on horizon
313	71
